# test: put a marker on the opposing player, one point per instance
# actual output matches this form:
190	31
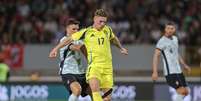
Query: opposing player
71	69
97	39
168	47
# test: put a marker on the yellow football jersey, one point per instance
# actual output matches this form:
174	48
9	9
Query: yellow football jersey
97	44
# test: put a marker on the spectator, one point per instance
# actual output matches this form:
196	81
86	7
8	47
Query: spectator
4	70
37	21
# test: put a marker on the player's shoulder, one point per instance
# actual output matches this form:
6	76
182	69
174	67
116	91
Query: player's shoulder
174	37
64	37
87	29
107	27
83	30
162	39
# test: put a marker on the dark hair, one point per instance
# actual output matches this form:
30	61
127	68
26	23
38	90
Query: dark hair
70	22
170	24
101	12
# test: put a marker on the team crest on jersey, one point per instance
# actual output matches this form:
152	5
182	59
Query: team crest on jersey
171	51
92	35
105	32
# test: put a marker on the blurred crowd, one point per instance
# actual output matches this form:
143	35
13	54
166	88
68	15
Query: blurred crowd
134	21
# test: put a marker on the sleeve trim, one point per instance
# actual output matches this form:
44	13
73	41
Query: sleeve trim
159	49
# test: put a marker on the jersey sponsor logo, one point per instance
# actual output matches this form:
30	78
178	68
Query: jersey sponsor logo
105	33
171	51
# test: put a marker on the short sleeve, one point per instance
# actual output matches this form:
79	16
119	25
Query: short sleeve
111	33
79	35
160	45
176	39
62	39
80	42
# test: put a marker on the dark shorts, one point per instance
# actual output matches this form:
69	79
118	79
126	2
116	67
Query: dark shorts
80	78
176	80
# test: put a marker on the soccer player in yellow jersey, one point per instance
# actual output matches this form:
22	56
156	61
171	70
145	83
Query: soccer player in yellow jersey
97	39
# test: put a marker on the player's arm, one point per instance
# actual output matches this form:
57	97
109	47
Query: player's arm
66	41
114	40
182	62
156	58
117	43
74	47
84	51
80	48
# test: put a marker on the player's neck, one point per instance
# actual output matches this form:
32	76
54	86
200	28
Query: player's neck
68	34
168	36
94	26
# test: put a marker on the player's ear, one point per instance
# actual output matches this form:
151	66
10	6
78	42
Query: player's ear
94	18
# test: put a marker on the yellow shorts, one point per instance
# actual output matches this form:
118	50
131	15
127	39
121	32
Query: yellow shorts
104	73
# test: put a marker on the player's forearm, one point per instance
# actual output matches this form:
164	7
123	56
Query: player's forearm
154	66
155	63
75	47
65	42
116	42
84	51
181	60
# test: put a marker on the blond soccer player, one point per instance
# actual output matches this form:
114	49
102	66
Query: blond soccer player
97	39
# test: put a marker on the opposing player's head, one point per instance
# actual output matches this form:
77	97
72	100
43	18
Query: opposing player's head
170	29
71	26
100	19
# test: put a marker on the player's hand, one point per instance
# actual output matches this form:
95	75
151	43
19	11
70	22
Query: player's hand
154	76
187	68
53	53
75	47
124	51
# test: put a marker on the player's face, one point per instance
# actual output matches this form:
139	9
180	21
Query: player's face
170	30
99	22
72	28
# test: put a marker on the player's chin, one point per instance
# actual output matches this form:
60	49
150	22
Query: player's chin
101	26
125	53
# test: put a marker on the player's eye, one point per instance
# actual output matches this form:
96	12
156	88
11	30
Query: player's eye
75	29
102	21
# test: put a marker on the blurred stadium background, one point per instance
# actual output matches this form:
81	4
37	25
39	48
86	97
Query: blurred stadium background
30	28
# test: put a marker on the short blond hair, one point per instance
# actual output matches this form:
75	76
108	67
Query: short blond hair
101	12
